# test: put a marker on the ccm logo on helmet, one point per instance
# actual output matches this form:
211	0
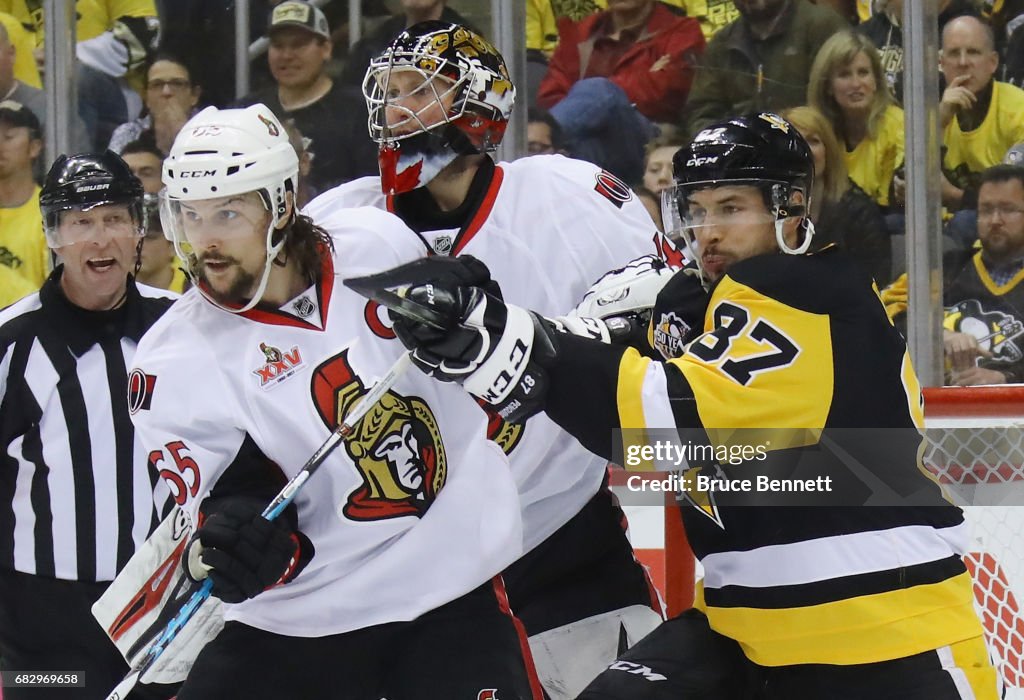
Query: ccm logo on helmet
701	160
196	173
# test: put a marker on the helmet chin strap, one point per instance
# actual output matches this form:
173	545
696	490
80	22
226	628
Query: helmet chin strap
780	236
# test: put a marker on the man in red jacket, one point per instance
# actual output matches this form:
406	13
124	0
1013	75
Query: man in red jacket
615	70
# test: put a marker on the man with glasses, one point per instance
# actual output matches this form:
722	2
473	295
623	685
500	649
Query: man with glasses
543	133
983	329
981	117
77	494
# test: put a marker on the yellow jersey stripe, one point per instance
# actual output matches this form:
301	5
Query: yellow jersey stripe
860	630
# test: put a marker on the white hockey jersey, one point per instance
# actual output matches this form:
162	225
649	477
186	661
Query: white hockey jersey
547	227
414	510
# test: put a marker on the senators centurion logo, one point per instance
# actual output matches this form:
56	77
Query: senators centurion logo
396	447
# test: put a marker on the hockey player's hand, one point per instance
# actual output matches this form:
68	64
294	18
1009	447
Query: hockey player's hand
485	345
623	299
678	315
242	552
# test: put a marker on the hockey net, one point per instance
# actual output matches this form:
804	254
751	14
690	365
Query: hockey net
975	445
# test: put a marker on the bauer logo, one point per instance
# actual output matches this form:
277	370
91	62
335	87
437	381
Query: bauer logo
278	366
140	391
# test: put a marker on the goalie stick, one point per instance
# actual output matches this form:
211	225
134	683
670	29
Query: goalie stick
273	509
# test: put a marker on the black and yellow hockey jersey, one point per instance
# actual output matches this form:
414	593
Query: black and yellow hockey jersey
800	356
977	305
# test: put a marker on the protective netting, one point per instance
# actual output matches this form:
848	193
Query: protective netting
975	444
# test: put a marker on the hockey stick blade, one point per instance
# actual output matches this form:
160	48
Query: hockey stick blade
380	288
144	662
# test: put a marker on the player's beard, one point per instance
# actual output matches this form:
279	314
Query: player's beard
239	290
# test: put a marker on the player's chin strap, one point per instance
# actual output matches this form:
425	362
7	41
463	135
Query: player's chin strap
780	235
273	249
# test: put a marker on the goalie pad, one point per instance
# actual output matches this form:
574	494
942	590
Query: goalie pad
147	593
568	658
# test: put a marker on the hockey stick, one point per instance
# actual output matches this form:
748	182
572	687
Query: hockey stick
273	509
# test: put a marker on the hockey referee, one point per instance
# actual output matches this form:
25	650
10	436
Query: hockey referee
76	495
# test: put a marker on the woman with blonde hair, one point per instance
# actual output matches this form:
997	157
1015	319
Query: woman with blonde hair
847	85
843	214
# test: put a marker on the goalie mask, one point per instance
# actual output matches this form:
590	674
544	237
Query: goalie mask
760	150
438	92
222	156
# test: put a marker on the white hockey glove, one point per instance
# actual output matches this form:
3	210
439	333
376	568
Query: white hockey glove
623	299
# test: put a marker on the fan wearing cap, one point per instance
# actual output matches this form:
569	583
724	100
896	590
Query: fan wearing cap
22	245
800	596
329	114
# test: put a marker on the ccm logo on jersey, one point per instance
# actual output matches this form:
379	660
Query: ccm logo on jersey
140	390
612	188
278	366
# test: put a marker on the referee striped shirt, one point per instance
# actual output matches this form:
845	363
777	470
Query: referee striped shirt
76	494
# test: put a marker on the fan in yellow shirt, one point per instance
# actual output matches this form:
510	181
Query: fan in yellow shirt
847	85
22	244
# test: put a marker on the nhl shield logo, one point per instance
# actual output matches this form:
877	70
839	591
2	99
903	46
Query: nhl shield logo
303	306
396	447
443	245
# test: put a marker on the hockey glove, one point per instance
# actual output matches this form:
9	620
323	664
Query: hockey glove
487	346
678	314
242	552
623	299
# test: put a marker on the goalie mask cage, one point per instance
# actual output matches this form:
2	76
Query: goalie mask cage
975	446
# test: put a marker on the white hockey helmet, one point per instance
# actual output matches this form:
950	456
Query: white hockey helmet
224	152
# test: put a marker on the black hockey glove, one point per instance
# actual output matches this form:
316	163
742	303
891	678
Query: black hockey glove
678	315
242	552
487	346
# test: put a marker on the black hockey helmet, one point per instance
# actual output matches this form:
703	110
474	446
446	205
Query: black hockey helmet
86	180
762	150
